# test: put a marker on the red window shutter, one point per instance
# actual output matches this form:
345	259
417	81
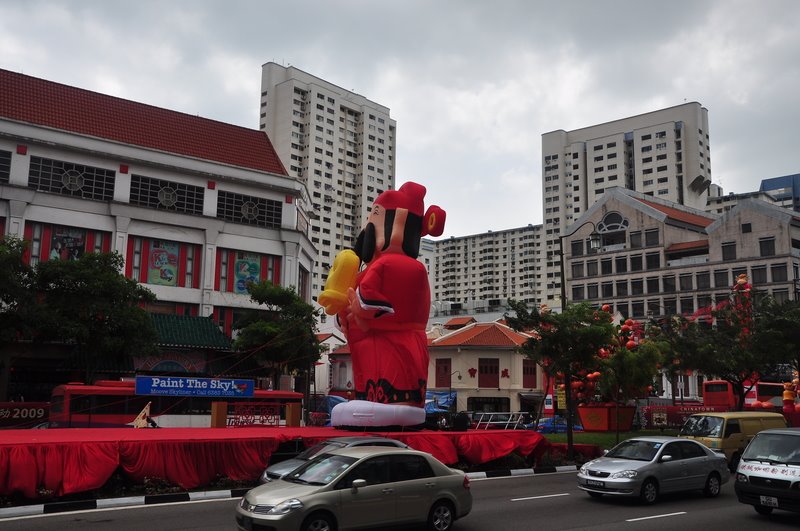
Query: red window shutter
129	258
231	270
28	236
182	265
88	245
265	268
44	248
198	265
217	269
106	246
145	261
276	277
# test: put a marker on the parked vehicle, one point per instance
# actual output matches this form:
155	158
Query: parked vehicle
768	475
278	470
360	487
646	467
729	432
115	404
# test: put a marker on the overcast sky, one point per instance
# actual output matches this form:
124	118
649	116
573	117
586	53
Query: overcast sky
472	84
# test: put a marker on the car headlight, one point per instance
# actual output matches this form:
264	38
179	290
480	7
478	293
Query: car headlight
286	507
625	474
741	478
584	469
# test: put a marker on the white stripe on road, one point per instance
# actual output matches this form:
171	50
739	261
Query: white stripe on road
656	516
540	497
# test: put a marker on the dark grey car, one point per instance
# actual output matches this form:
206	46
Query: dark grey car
278	470
645	467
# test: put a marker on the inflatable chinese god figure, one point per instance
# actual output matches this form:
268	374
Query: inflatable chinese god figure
380	295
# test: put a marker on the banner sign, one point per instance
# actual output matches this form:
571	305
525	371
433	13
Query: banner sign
187	386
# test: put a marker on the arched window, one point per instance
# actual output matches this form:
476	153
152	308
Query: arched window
612	229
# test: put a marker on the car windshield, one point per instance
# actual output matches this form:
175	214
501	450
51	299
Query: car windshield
636	450
326	446
774	449
321	470
702	426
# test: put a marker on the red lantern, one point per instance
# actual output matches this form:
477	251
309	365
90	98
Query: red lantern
630	322
606	308
625	328
630	345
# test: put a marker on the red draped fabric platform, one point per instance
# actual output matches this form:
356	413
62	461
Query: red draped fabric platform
66	461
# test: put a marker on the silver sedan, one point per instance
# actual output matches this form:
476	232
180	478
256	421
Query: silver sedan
645	467
360	487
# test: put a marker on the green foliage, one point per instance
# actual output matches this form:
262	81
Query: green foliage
17	303
283	333
626	374
88	303
563	342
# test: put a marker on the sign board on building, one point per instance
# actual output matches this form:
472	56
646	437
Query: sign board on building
188	386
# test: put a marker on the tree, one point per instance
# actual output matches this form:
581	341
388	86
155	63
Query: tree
564	343
89	304
736	347
16	296
779	332
284	334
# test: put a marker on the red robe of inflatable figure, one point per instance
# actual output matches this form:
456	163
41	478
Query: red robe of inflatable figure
388	308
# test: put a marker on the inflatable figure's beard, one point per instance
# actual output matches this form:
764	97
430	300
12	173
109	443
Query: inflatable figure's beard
365	243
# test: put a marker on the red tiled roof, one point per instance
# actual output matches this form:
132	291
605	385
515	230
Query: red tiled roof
482	335
680	215
682	246
45	103
459	321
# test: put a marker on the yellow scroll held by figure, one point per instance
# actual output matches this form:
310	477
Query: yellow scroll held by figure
341	277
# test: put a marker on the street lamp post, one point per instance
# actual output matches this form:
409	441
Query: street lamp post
453	402
594	244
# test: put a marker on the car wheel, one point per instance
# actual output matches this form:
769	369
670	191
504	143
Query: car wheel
734	463
760	509
318	522
713	485
594	494
649	493
441	516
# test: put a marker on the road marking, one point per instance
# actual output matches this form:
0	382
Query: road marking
540	497
656	516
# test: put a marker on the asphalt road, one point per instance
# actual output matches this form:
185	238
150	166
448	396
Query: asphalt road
546	502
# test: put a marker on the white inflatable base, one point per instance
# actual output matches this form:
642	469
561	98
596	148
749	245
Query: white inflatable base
364	413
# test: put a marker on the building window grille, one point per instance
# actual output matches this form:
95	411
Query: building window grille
729	251
779	273
67	178
669	283
759	275
767	246
166	195
5	166
249	210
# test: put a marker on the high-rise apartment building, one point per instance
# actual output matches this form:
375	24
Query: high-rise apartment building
339	143
664	154
479	273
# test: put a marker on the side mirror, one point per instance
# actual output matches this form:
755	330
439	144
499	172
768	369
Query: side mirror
358	483
666	458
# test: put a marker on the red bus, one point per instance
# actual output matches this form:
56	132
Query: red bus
114	404
722	393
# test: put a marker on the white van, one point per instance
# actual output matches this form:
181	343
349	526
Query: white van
768	475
